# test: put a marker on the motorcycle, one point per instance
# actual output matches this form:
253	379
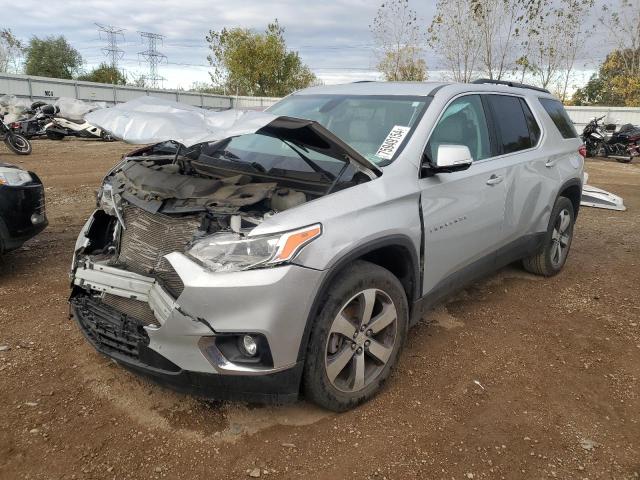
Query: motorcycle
603	140
40	115
16	143
60	127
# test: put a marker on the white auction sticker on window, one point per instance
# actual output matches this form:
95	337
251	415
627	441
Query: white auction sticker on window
392	142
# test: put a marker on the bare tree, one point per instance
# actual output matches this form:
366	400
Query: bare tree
400	40
11	49
499	24
546	48
555	39
455	38
574	20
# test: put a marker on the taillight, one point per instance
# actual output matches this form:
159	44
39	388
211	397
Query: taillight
582	150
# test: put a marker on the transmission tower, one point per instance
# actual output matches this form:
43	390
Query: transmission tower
153	57
111	35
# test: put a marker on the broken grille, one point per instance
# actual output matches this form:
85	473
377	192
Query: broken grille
132	308
149	237
109	331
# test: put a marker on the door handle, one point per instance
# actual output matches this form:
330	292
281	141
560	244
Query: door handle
550	163
495	179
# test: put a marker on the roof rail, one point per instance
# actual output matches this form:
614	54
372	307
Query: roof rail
511	84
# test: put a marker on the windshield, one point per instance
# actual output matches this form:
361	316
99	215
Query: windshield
264	153
377	126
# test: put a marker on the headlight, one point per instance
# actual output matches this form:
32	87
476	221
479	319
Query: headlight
15	178
232	252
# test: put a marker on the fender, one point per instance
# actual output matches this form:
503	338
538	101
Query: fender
338	265
572	182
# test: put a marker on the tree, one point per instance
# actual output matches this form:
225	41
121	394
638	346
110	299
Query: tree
614	84
104	74
622	20
246	62
399	40
203	87
11	49
499	24
453	36
555	39
52	57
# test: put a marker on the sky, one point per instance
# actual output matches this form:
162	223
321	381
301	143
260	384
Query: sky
332	36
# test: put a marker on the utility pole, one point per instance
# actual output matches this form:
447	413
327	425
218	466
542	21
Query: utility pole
153	57
111	51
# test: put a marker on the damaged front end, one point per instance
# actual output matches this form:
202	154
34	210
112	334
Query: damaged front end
167	275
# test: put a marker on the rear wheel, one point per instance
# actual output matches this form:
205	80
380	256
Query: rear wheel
555	249
356	338
18	144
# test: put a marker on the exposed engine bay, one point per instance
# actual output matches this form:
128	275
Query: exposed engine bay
158	201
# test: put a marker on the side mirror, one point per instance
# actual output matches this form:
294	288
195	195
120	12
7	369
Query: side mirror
449	158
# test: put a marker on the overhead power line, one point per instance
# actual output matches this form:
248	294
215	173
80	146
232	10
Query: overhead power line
153	57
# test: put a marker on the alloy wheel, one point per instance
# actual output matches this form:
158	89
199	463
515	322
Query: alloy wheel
561	238
361	340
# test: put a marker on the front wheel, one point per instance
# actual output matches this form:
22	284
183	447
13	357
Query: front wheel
555	248
356	338
18	144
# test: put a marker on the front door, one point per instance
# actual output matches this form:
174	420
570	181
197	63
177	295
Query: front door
462	211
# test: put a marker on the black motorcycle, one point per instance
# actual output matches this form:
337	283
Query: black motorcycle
603	140
35	120
16	143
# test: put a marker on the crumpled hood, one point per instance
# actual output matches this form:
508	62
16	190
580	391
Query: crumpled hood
151	120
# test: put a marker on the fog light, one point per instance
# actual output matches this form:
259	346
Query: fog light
36	218
249	345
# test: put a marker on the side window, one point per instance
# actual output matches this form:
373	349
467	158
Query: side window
511	124
559	116
462	123
534	128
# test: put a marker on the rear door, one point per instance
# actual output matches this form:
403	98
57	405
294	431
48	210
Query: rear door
462	211
530	173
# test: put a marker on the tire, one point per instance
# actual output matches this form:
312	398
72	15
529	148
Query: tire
18	144
557	241
51	135
336	356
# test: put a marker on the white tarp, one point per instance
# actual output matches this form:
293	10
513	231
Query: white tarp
13	107
76	109
152	120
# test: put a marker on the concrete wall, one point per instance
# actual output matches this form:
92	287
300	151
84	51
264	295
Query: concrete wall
41	88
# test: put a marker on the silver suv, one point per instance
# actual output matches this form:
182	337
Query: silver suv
292	254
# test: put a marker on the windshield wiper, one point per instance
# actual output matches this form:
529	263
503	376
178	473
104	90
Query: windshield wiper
314	166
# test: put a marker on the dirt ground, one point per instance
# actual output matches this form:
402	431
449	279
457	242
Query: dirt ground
516	377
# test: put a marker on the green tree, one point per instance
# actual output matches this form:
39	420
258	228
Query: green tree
104	74
52	57
617	82
246	62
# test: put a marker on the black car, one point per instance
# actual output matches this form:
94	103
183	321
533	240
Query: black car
22	208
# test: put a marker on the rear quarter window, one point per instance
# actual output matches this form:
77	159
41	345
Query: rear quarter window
512	125
559	116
